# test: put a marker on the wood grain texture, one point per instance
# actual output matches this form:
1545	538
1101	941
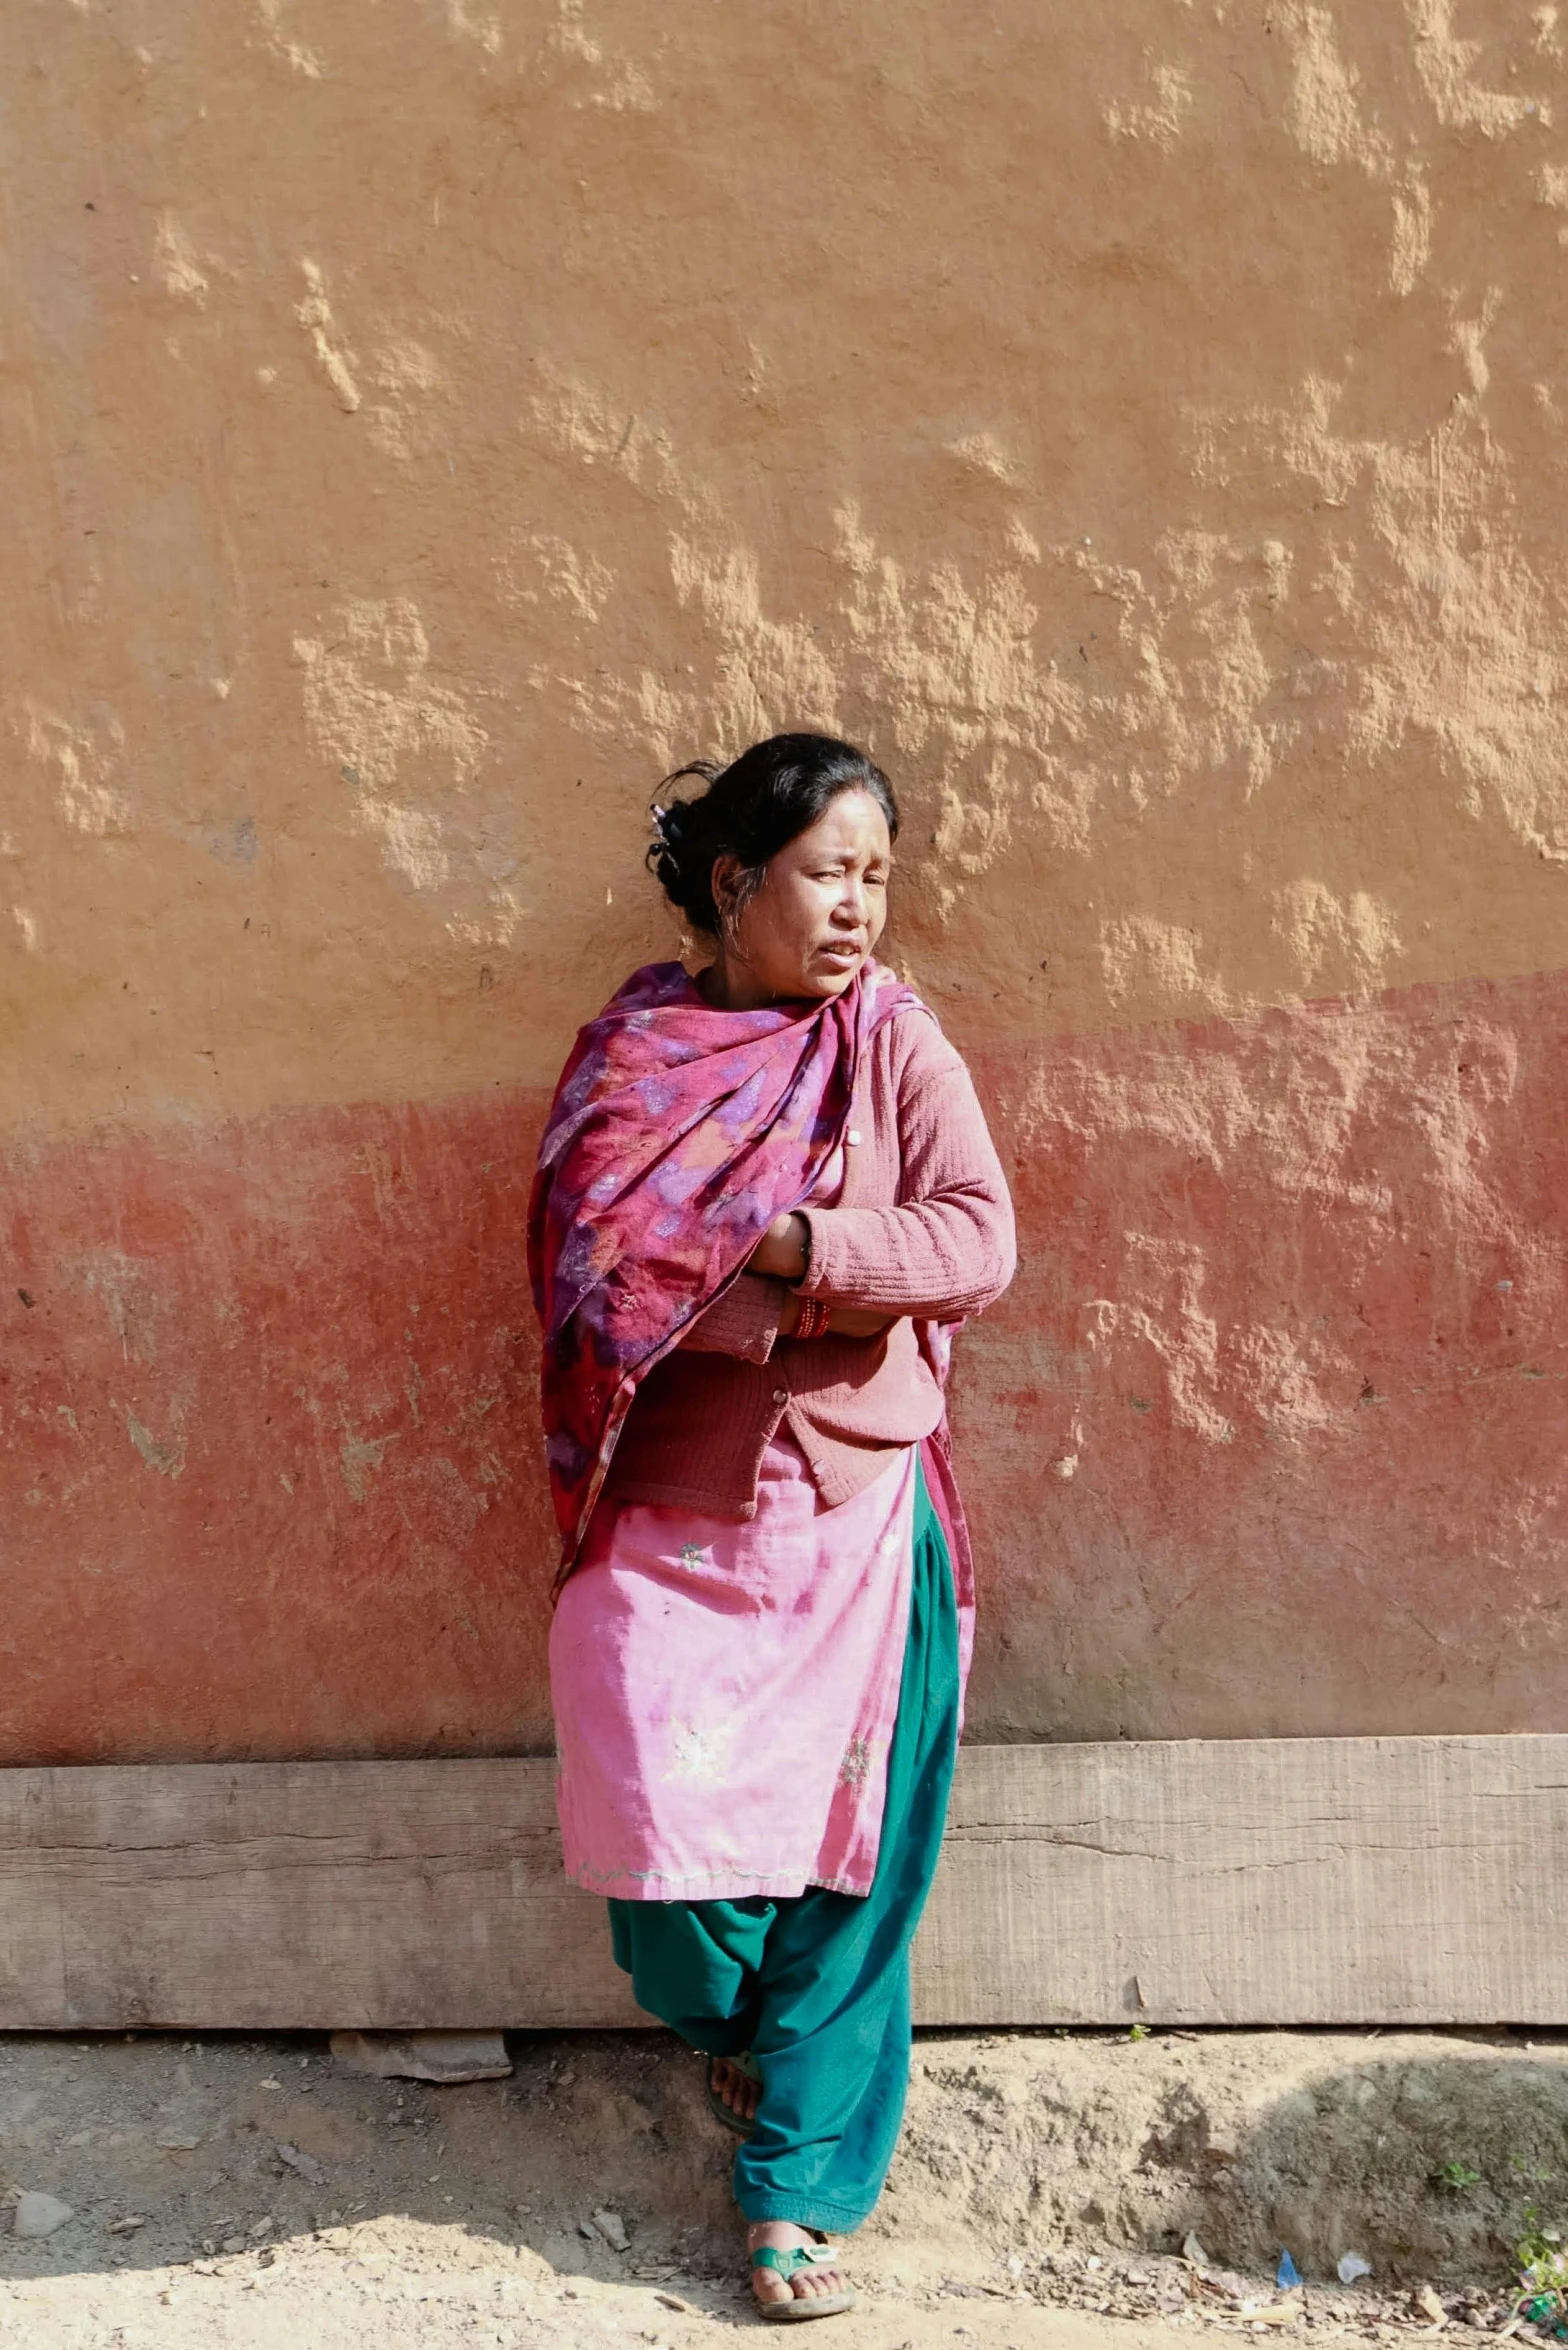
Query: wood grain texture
1252	1881
1398	1880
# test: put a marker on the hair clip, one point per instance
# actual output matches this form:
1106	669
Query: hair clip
661	820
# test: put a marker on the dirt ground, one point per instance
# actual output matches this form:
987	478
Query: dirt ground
250	2192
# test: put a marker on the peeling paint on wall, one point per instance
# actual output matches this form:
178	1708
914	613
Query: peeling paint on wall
167	1459
315	315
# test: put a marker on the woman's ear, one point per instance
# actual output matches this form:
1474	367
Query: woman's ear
725	875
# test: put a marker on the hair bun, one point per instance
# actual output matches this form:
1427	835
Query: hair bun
670	854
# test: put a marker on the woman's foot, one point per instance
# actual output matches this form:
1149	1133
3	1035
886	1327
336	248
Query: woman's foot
807	2284
734	2089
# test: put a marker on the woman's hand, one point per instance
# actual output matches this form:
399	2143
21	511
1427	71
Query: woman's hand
783	1249
858	1322
843	1321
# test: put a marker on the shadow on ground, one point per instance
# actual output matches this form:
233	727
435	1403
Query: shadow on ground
1424	2153
1421	2152
232	2151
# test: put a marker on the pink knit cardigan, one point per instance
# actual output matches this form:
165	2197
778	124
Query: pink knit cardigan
923	1227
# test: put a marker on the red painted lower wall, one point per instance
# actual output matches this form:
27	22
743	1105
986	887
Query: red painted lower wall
1269	1437
1293	1308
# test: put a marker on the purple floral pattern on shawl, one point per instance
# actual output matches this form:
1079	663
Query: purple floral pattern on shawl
677	1134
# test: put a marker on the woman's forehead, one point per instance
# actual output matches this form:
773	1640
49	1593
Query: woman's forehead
852	822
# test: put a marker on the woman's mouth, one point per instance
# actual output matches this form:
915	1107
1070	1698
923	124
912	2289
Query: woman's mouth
841	951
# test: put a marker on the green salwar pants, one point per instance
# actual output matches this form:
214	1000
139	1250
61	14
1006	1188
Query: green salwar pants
817	1987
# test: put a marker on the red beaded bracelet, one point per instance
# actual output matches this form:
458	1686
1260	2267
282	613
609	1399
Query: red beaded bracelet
813	1321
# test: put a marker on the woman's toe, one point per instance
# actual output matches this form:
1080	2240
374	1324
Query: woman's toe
739	2092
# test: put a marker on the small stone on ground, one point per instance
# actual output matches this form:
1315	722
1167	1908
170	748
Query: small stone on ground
40	2215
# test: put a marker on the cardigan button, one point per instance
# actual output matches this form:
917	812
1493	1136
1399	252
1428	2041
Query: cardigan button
853	1135
781	1395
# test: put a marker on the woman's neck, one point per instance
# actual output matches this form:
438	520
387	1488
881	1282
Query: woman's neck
731	986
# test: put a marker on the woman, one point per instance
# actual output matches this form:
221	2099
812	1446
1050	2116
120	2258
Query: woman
766	1198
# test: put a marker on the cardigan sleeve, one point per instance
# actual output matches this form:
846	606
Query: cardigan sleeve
948	1248
743	1320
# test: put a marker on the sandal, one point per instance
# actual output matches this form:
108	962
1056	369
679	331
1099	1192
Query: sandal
747	2064
789	2264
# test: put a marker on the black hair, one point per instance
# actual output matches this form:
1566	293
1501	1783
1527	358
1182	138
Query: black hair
751	809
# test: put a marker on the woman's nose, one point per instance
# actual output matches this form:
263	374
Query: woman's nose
854	902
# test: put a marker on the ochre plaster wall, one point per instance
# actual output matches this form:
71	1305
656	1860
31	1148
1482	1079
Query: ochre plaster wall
427	422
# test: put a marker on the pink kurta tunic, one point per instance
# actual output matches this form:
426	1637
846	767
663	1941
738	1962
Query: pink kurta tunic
725	1692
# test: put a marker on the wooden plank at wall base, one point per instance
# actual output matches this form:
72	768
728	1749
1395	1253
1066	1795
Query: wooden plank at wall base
1321	1880
302	1894
1253	1881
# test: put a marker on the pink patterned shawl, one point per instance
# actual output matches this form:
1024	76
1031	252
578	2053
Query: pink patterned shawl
677	1134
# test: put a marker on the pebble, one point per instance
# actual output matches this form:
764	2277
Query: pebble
38	2214
612	2228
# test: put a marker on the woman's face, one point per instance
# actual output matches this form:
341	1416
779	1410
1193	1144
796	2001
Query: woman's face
818	913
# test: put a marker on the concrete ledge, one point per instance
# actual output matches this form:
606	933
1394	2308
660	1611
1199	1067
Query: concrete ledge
1364	1880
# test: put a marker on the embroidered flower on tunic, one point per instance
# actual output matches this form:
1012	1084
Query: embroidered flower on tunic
856	1763
701	1749
691	1554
